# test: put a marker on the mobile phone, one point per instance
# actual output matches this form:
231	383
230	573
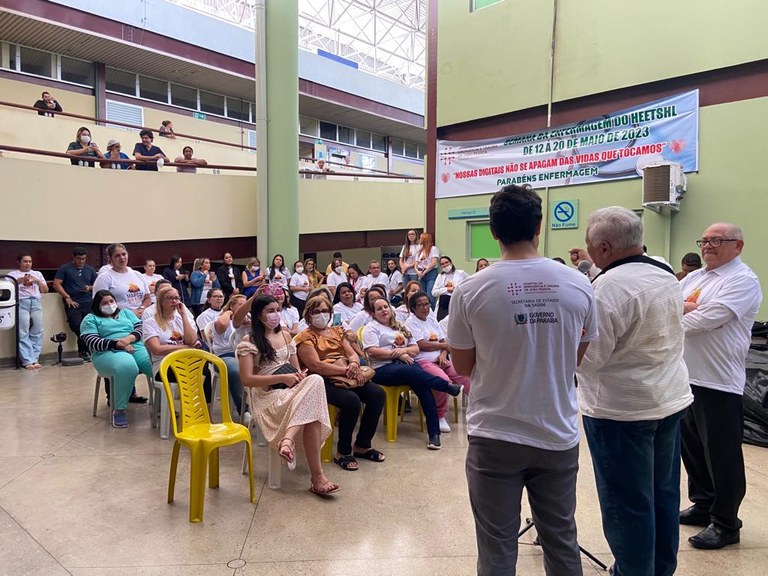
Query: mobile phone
336	319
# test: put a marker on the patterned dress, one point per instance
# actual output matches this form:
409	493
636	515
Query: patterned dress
277	410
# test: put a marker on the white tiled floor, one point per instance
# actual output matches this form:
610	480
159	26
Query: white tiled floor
79	497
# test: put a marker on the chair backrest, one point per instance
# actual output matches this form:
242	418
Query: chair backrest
187	365
208	333
360	340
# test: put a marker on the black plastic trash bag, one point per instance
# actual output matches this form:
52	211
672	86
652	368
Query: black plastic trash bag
756	399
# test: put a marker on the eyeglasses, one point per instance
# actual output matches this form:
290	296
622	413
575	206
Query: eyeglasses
171	298
421	305
714	242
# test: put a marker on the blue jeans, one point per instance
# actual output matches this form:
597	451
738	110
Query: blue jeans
637	472
30	330
409	277
422	383
233	377
427	282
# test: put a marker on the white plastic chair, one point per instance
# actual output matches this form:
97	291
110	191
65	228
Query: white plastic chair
150	393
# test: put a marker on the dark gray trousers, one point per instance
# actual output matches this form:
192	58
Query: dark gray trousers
497	472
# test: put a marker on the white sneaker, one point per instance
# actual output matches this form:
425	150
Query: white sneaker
444	425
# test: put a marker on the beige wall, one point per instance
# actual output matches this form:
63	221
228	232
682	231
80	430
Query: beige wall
27	93
28	130
49	202
336	205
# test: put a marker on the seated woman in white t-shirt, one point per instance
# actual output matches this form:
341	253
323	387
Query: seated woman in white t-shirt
391	350
366	314
345	307
289	316
221	332
278	272
299	287
433	351
336	276
445	284
215	303
168	330
129	288
151	278
402	312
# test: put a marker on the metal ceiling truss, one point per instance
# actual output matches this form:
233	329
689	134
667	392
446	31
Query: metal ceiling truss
383	37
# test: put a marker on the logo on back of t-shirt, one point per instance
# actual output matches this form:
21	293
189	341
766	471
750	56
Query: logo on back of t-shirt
521	318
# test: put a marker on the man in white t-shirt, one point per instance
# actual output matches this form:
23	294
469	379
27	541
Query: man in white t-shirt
721	303
519	330
633	393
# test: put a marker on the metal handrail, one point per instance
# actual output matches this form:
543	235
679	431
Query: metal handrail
126	125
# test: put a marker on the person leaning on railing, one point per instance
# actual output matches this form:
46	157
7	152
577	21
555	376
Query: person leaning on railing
83	147
114	153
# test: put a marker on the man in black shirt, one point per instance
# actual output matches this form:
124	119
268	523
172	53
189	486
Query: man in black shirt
47	105
74	283
147	152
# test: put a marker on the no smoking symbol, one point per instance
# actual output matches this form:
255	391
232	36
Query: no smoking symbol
563	211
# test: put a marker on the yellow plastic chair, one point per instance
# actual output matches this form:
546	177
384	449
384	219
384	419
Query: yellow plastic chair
197	432
326	452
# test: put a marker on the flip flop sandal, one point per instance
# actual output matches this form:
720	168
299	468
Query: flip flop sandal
324	489
346	462
373	455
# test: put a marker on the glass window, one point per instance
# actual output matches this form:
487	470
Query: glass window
184	96
307	126
238	109
346	135
13	52
363	139
327	131
121	81
212	103
477	4
422	151
397	146
153	89
36	62
411	150
379	142
77	71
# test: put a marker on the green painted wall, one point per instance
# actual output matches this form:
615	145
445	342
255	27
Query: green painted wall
497	59
493	60
730	186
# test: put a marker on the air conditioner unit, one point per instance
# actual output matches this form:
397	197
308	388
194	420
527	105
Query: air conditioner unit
664	184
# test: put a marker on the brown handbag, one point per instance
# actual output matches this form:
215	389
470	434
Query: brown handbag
344	382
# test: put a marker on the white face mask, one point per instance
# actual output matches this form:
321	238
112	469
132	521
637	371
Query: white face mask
447	269
254	269
338	269
108	309
321	320
85	139
299	269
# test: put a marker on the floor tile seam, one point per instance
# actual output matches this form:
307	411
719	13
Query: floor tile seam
35	540
365	558
175	565
39	461
253	517
756	471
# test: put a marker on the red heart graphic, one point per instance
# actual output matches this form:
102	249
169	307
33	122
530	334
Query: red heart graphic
445	176
677	146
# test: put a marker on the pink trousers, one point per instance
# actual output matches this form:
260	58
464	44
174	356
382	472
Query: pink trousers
448	373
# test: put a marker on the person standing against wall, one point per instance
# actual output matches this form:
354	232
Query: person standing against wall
31	286
74	283
522	417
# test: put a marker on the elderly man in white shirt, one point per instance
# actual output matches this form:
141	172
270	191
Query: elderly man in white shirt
633	393
721	303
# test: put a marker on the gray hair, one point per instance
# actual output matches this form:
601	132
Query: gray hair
732	230
618	226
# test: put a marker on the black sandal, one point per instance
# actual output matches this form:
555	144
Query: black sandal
371	454
346	462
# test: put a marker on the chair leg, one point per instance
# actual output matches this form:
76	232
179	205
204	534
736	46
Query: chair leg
174	468
455	409
249	452
96	394
110	387
197	471
393	399
213	469
273	462
326	452
151	394
165	417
